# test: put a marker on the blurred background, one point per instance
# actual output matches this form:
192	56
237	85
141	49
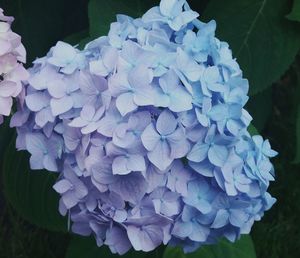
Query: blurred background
265	38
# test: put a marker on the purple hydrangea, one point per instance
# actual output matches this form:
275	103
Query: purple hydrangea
147	129
12	72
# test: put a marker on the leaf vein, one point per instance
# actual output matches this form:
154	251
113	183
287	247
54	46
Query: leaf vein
252	26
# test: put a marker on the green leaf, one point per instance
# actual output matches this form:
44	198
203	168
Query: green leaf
80	39
31	192
260	108
243	248
86	247
198	6
297	100
102	13
297	156
294	15
263	41
76	38
252	130
6	134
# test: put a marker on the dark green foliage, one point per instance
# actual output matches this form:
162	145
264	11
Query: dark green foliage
294	15
297	103
102	13
19	239
6	134
278	234
260	108
252	130
297	156
75	38
241	249
264	42
31	192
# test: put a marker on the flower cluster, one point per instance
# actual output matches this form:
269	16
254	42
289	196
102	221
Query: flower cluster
148	130
12	72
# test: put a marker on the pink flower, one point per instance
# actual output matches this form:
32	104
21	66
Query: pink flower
12	72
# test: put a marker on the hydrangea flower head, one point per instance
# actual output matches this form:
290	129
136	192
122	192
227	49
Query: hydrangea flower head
12	72
148	131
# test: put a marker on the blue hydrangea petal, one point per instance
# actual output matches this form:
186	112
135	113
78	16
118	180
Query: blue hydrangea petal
221	219
125	103
146	238
150	137
217	155
160	155
199	152
166	123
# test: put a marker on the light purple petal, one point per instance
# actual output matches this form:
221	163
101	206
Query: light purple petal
166	123
60	106
198	153
160	155
150	137
125	103
145	239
